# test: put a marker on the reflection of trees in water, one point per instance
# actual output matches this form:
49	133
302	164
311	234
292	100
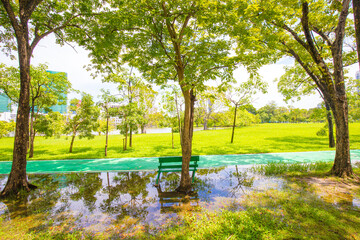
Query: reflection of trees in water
170	180
242	179
128	195
84	186
41	200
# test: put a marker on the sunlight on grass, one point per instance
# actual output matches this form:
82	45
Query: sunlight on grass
262	138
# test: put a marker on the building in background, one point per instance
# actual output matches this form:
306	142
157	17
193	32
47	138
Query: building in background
4	103
62	108
9	114
5	109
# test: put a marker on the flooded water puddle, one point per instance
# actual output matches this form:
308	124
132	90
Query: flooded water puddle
98	201
129	201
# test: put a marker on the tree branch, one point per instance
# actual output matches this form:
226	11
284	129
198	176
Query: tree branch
322	35
311	46
51	30
12	17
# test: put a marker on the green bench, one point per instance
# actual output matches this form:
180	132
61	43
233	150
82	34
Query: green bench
168	164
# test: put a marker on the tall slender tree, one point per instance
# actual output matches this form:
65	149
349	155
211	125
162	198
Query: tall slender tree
165	40
106	99
242	95
295	83
313	33
25	23
84	120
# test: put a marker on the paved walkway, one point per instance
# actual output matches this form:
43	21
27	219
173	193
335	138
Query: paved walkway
135	164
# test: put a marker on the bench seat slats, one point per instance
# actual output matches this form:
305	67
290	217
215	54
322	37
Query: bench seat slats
176	166
176	170
176	159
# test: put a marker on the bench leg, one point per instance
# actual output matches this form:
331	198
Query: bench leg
193	176
157	179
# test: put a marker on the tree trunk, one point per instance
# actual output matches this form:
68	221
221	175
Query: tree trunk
143	131
107	135
72	143
178	117
130	138
126	137
17	179
342	164
233	127
205	123
356	8
330	125
172	137
32	132
187	134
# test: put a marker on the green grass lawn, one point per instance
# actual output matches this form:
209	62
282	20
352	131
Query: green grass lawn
260	138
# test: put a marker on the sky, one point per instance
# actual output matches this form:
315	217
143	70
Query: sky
66	59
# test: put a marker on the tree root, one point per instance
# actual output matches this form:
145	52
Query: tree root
14	189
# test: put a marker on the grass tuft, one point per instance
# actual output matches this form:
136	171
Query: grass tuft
273	168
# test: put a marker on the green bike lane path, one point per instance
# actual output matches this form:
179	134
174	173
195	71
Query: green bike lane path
151	163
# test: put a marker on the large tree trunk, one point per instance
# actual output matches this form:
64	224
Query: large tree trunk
186	144
356	8
32	132
330	125
17	179
233	127
342	164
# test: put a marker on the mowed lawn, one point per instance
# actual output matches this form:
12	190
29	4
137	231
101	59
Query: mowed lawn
261	138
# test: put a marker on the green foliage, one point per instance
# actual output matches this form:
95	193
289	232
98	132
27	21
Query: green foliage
136	100
243	94
46	89
51	124
52	16
353	94
272	113
225	119
85	119
6	128
102	126
154	33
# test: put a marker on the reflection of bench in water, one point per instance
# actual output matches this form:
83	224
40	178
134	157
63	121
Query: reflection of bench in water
173	201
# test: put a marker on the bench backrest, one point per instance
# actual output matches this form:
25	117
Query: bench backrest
177	159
